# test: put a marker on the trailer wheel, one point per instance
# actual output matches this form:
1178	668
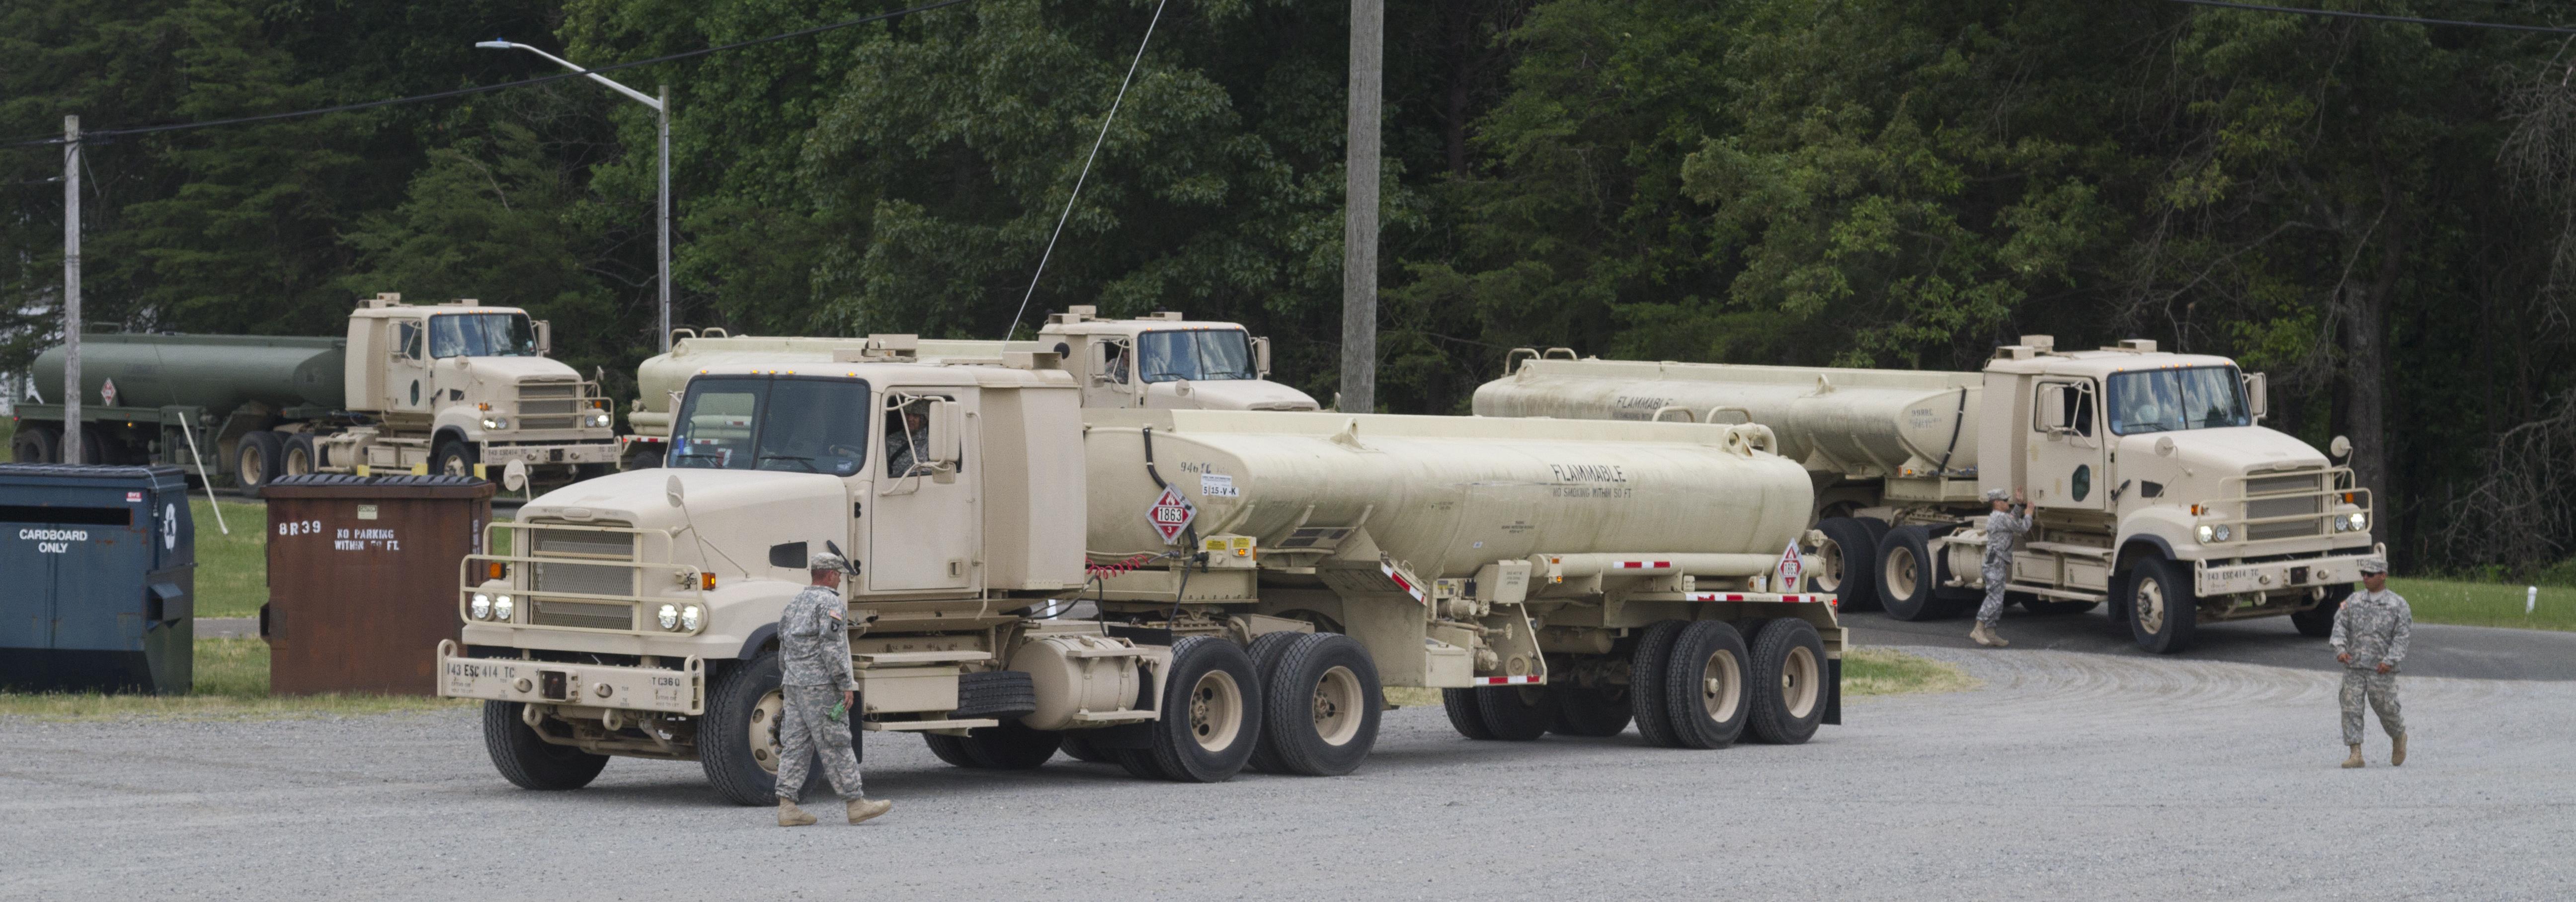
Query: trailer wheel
530	762
1077	745
1788	682
1465	715
256	458
36	445
1705	690
1516	713
454	458
1847	563
299	458
2318	622
1211	714
1322	708
1907	577
1591	711
1646	669
2163	612
1266	649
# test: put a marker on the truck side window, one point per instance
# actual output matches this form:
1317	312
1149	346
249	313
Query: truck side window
1117	362
2079	412
408	338
907	435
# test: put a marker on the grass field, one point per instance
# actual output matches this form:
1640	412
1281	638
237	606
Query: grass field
231	682
2486	604
232	570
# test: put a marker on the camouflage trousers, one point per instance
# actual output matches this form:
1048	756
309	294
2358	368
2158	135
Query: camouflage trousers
2380	689
1997	573
804	728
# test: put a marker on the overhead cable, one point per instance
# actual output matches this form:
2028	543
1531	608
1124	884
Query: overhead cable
2376	17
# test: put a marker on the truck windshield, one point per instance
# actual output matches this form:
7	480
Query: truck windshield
481	335
1195	354
2201	397
761	423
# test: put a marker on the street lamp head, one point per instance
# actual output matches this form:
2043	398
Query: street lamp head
495	45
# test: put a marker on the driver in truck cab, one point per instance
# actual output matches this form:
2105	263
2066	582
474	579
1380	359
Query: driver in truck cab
907	440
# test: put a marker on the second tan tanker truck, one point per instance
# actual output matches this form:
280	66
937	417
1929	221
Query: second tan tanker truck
1259	578
2152	484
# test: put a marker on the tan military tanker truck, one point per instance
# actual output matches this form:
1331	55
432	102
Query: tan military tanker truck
443	387
1258	579
2150	481
1157	361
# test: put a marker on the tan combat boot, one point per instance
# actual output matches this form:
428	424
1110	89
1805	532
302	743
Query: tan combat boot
2397	756
2355	760
791	816
863	810
1979	635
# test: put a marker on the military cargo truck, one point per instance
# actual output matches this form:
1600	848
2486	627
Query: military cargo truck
1157	361
1258	579
447	387
2152	485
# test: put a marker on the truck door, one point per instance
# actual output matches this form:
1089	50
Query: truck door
1109	377
925	525
407	382
2066	457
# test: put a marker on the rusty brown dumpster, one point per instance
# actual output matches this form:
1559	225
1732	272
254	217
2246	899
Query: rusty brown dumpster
362	576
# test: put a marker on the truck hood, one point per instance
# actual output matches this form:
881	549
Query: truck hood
736	513
1249	394
2232	450
501	371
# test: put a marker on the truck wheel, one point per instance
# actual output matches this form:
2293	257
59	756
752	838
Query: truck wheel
299	458
1847	564
951	749
1592	711
1077	745
738	739
1705	690
1323	705
1516	713
2163	612
2318	622
530	762
1788	685
256	458
454	458
1266	650
36	445
1646	666
1140	763
1010	746
1465	715
1211	714
1907	579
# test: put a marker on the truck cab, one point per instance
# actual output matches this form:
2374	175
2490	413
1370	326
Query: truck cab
461	386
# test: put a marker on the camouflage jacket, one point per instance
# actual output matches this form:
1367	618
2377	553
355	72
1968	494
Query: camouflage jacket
2001	529
814	641
2373	627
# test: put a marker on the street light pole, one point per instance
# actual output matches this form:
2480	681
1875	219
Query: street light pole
1359	224
662	108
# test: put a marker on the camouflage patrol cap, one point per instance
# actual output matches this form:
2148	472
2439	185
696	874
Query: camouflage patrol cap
2370	565
825	560
1997	494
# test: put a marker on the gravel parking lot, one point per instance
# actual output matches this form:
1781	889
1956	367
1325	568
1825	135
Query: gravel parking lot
2067	775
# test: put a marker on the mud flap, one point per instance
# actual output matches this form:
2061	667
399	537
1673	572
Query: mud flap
1834	692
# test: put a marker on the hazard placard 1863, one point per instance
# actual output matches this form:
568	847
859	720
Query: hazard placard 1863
1170	514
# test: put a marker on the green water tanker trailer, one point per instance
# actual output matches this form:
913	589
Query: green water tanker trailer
442	388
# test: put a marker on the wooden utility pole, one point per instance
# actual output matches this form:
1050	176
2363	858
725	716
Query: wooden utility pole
1359	227
71	291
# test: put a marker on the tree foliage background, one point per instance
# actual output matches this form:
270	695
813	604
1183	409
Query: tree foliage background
2381	215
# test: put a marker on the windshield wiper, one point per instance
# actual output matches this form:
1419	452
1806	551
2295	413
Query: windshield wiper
807	461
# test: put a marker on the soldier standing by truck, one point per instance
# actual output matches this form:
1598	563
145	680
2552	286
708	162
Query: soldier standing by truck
2370	635
814	661
2010	519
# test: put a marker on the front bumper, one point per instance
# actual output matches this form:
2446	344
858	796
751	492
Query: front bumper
2269	577
600	452
662	689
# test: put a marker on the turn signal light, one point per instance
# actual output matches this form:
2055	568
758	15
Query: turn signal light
707	582
494	570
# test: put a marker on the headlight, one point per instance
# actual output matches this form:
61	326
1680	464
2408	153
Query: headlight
480	607
496	422
668	617
2224	533
691	617
2206	534
2359	521
599	419
501	607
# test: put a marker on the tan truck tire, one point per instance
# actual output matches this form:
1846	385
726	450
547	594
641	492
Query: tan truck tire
1077	745
1788	684
1592	711
745	772
1646	681
529	762
1465	715
1211	714
1706	694
1009	746
1320	715
2163	611
258	458
1516	713
1266	650
2318	622
36	444
1849	566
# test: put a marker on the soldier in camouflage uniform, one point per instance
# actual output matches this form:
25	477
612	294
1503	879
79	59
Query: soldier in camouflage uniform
817	691
2370	634
2002	527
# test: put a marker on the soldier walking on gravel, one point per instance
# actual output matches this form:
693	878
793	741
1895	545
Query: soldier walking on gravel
817	689
2011	518
2370	634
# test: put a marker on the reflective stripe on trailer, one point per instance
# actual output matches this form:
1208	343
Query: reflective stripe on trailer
1509	681
1645	565
1388	567
1802	598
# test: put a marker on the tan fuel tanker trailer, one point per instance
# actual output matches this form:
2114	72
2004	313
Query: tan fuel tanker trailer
1258	579
2152	484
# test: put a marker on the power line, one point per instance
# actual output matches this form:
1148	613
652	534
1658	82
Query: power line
2376	17
459	92
1086	169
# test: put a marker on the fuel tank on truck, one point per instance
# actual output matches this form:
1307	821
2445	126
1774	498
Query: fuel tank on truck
216	372
1841	421
1446	495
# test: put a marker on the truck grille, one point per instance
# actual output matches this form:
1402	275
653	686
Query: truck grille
537	399
584	579
584	614
2302	489
2274	485
583	542
547	422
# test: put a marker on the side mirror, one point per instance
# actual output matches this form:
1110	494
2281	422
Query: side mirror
947	428
1261	357
545	339
2052	409
2341	448
2257	400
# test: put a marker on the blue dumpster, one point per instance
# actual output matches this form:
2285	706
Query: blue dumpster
97	579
